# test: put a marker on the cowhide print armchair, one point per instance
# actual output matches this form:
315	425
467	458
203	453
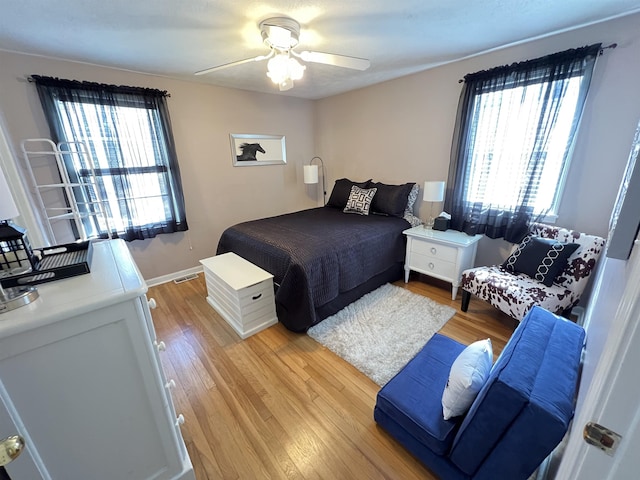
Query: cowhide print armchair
516	293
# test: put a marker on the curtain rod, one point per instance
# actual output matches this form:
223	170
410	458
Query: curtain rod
30	79
602	49
612	46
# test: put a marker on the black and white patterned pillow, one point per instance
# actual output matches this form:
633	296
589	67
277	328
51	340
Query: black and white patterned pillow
408	211
540	258
359	200
411	199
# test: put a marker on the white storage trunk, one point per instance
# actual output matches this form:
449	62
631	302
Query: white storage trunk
240	292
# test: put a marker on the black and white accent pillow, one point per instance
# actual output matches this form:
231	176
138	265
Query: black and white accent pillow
359	200
408	211
540	258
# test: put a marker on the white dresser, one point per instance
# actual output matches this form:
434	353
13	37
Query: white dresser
241	292
81	380
444	255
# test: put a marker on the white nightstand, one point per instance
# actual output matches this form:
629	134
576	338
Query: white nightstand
442	255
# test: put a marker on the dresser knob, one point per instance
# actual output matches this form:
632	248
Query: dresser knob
431	266
160	346
433	250
180	420
170	384
152	303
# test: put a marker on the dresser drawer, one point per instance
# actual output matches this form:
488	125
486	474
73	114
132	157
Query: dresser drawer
434	250
433	266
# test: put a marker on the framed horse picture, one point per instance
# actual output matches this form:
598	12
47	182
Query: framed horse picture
248	149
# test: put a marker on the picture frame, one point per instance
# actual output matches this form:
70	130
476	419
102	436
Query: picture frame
270	149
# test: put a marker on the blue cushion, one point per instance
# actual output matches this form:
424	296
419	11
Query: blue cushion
524	409
412	399
438	464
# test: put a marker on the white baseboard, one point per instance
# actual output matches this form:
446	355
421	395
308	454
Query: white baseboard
172	276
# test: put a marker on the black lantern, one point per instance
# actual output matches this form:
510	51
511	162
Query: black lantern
16	256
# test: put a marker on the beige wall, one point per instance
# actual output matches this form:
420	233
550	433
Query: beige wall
217	194
401	130
397	131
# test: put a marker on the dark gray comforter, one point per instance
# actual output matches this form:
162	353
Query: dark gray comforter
317	255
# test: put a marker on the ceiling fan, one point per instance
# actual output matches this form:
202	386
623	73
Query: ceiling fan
281	35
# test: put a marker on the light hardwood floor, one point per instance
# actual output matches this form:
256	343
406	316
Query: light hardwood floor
278	404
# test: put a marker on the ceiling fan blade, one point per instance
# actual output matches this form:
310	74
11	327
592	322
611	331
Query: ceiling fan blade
233	64
336	60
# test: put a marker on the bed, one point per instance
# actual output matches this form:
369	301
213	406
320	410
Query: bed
322	259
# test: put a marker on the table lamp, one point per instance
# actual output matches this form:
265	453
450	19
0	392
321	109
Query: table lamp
16	256
433	192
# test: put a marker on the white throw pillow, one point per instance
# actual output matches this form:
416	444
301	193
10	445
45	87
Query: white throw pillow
468	374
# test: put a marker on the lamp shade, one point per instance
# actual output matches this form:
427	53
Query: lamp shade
433	191
8	207
311	174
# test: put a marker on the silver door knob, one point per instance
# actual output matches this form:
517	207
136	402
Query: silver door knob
10	448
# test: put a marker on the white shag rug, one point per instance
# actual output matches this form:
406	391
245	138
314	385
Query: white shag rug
379	333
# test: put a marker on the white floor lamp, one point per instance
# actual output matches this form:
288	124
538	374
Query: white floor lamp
433	192
311	176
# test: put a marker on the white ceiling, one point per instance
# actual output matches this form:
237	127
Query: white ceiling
176	38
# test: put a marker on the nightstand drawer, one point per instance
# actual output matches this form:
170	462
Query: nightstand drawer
434	250
433	266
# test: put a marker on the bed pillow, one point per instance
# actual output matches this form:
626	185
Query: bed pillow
540	258
342	190
360	200
469	372
411	200
412	219
391	199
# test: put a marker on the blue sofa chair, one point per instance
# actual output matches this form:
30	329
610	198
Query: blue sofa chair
519	416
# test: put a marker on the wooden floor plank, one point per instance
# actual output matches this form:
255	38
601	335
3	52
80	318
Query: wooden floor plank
280	405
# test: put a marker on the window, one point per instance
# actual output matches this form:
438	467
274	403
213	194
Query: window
128	136
504	154
513	142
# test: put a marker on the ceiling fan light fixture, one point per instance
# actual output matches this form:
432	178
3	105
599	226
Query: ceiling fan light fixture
282	69
277	68
287	84
296	70
281	33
